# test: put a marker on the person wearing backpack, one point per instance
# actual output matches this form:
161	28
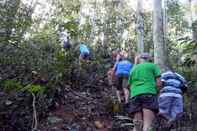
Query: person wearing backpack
84	52
171	95
121	71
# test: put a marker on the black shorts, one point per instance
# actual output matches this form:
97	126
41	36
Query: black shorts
67	45
85	55
121	81
147	101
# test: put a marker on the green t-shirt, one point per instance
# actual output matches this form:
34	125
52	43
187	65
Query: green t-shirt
142	79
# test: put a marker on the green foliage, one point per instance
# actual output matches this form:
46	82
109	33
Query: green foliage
66	15
15	20
35	88
11	85
85	31
72	27
42	53
178	24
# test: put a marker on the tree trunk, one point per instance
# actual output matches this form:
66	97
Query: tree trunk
140	27
192	22
158	36
191	13
165	29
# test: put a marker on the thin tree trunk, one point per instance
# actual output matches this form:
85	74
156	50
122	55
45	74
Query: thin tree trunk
140	27
192	23
165	29
191	13
158	36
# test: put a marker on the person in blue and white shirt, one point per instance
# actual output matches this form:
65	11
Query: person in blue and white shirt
171	95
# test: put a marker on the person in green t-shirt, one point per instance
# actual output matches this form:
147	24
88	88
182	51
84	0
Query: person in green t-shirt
144	81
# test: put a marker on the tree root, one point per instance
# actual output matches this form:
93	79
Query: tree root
35	121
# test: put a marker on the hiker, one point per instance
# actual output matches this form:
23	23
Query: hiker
64	38
144	81
171	95
115	58
121	71
116	55
84	52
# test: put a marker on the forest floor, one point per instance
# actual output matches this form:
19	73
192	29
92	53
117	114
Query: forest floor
87	103
87	109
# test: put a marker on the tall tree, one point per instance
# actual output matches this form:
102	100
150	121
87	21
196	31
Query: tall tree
140	27
158	35
165	26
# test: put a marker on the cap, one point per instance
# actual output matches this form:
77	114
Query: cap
145	56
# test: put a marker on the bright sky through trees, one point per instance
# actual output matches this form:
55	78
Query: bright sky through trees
44	6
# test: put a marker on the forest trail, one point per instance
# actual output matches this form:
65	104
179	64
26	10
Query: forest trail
99	124
88	109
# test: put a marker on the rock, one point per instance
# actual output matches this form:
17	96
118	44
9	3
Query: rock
98	124
54	120
2	94
74	127
21	94
8	102
56	129
57	105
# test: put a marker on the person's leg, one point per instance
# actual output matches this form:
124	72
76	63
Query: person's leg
150	107
109	76
118	95
125	90
165	107
134	109
177	108
148	117
126	95
119	87
66	45
138	121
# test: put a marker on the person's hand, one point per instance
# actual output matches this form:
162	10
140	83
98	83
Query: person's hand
137	57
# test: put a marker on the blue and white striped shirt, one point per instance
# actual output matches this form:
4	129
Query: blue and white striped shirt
174	83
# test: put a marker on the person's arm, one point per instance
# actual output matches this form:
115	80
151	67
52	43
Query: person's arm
129	84
184	84
114	68
157	74
158	83
185	88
